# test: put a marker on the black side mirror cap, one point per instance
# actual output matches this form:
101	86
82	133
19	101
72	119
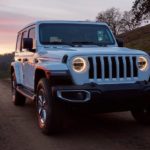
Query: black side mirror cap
120	42
27	43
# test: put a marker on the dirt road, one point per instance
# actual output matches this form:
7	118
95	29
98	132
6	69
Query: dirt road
116	131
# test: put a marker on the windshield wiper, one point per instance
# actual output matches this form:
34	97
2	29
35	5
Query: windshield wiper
76	43
83	42
56	43
89	43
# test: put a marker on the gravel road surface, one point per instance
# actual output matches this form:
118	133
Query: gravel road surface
113	131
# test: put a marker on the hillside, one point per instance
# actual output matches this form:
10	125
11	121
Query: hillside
138	38
6	58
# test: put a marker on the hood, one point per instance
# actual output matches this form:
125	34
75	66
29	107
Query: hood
59	52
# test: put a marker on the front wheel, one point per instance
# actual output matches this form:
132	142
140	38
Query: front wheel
48	112
142	115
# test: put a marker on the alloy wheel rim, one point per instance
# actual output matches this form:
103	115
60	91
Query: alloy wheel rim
41	103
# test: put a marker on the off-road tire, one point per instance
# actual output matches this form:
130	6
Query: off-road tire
48	111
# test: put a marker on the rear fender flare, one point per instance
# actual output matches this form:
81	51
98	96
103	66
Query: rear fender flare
17	68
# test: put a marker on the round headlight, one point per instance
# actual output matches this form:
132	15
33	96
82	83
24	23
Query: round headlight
142	63
79	64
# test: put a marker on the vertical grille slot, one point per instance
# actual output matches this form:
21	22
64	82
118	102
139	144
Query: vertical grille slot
91	70
99	68
128	67
114	67
121	67
106	67
135	69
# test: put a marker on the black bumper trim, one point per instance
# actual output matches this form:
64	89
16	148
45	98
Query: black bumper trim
106	98
139	86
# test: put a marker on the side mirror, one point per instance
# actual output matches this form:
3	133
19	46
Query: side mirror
27	43
120	42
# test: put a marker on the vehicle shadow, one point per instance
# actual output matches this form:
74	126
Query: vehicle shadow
104	130
112	123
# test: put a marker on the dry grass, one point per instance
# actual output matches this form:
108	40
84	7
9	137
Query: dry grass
138	39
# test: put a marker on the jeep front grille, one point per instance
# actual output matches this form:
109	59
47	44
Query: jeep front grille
113	67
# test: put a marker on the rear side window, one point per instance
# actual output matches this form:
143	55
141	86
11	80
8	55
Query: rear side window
32	35
18	44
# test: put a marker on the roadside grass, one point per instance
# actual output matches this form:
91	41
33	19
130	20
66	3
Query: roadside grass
5	61
5	72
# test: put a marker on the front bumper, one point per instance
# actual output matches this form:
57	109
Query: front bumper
119	96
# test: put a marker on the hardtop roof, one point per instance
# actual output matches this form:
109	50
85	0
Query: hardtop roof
62	21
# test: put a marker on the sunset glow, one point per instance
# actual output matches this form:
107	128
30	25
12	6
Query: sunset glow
17	13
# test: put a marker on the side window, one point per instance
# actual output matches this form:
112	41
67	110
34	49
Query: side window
32	35
18	44
24	35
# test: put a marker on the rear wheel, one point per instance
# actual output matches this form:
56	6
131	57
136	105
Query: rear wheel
17	98
142	115
48	111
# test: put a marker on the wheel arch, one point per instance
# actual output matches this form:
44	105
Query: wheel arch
54	79
40	72
14	68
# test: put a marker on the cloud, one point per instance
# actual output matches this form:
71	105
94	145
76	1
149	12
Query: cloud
66	9
15	14
10	24
15	18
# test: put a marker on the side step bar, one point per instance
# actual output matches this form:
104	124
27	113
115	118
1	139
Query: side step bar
27	93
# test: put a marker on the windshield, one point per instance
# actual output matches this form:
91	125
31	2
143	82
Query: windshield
75	34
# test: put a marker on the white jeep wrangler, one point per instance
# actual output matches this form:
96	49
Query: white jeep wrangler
65	64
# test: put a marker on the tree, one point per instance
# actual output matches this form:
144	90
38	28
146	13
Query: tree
119	22
128	22
141	9
112	17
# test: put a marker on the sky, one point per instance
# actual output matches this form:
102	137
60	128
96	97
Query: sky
15	14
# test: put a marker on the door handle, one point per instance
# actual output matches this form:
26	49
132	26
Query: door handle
19	59
25	60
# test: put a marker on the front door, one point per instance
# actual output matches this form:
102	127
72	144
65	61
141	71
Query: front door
29	63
